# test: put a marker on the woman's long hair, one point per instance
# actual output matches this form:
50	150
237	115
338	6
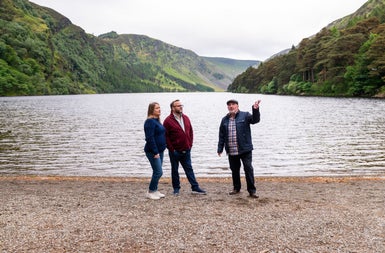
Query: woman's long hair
150	111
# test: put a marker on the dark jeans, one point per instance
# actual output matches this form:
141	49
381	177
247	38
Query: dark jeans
235	166
156	165
184	158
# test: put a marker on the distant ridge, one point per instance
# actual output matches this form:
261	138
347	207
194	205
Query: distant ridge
232	67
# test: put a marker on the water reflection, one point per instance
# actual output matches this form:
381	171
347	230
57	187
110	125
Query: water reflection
102	135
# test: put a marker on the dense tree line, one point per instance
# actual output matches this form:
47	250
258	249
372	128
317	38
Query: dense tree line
334	62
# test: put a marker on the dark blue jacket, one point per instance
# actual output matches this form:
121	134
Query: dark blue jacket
155	136
242	122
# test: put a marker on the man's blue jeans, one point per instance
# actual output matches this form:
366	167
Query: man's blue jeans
235	166
157	172
184	158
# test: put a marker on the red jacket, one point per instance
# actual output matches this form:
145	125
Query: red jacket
176	138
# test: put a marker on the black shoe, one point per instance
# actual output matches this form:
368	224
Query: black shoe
198	191
234	192
253	195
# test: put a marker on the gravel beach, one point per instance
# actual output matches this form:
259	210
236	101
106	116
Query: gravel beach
92	214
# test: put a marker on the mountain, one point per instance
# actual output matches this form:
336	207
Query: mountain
175	61
373	8
346	58
232	67
43	53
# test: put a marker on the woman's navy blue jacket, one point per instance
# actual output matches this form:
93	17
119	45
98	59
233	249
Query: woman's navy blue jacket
155	136
242	122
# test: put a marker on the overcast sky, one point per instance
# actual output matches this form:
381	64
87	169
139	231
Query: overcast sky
238	29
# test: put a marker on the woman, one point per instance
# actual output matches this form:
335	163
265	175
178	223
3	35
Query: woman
154	147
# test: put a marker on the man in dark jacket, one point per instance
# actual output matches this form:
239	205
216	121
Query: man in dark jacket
179	138
235	137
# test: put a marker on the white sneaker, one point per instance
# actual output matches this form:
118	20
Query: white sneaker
152	195
159	194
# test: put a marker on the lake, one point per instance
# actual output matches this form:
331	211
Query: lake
102	135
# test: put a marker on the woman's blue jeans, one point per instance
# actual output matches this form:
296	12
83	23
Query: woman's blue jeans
157	172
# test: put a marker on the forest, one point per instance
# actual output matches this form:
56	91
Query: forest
43	53
346	58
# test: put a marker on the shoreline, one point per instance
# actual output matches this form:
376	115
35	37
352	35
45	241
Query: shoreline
200	179
111	214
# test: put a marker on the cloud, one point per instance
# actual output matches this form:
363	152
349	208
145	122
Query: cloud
243	29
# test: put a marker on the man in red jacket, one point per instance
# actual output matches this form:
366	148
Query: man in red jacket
179	138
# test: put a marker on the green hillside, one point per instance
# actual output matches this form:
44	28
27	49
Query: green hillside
43	53
346	58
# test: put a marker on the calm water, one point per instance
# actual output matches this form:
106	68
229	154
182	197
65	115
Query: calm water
102	135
